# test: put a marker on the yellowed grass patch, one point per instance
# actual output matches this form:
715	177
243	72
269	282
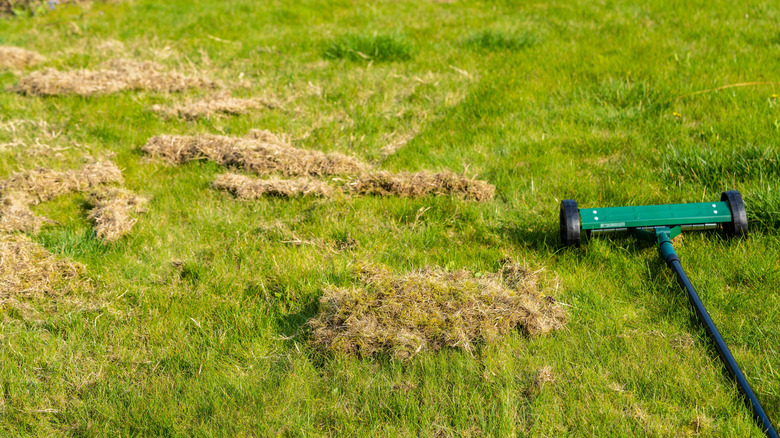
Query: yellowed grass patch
114	212
259	153
396	141
423	183
245	187
16	58
115	75
430	309
221	104
31	137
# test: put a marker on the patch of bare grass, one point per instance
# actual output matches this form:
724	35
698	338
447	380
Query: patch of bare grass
116	75
114	212
423	183
30	136
221	104
43	184
402	104
260	153
396	142
245	187
267	136
431	309
28	270
16	58
15	127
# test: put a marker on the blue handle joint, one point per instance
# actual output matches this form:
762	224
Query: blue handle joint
663	237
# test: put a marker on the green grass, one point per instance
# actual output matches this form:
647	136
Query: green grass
492	40
196	325
369	48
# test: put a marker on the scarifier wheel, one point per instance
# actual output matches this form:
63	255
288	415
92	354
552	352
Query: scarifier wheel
738	225
570	223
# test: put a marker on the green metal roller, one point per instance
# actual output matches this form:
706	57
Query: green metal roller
728	214
660	224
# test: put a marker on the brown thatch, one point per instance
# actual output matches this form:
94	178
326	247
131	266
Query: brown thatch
245	187
16	58
421	184
430	309
219	104
44	184
113	212
257	155
116	75
15	214
27	269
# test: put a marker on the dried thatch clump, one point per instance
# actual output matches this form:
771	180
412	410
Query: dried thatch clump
44	184
28	270
431	309
21	190
220	104
17	58
245	187
15	214
113	212
421	184
259	153
116	75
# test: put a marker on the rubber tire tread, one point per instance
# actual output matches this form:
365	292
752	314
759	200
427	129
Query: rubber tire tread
570	223
738	226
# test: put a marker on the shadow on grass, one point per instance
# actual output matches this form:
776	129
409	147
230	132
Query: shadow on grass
545	239
296	334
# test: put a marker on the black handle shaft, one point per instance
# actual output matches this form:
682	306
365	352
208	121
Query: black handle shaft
723	350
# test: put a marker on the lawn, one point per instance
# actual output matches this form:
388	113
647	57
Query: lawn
195	323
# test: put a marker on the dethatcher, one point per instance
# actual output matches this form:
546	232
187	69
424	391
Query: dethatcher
660	224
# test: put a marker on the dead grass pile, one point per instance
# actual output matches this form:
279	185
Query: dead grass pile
216	105
431	309
28	270
15	214
16	58
260	153
44	184
424	183
116	75
114	212
245	187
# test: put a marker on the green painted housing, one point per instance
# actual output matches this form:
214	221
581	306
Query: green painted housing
666	215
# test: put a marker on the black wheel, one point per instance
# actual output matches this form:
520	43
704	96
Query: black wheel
570	223
738	225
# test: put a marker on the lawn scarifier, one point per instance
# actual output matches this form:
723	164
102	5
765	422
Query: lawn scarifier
660	224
